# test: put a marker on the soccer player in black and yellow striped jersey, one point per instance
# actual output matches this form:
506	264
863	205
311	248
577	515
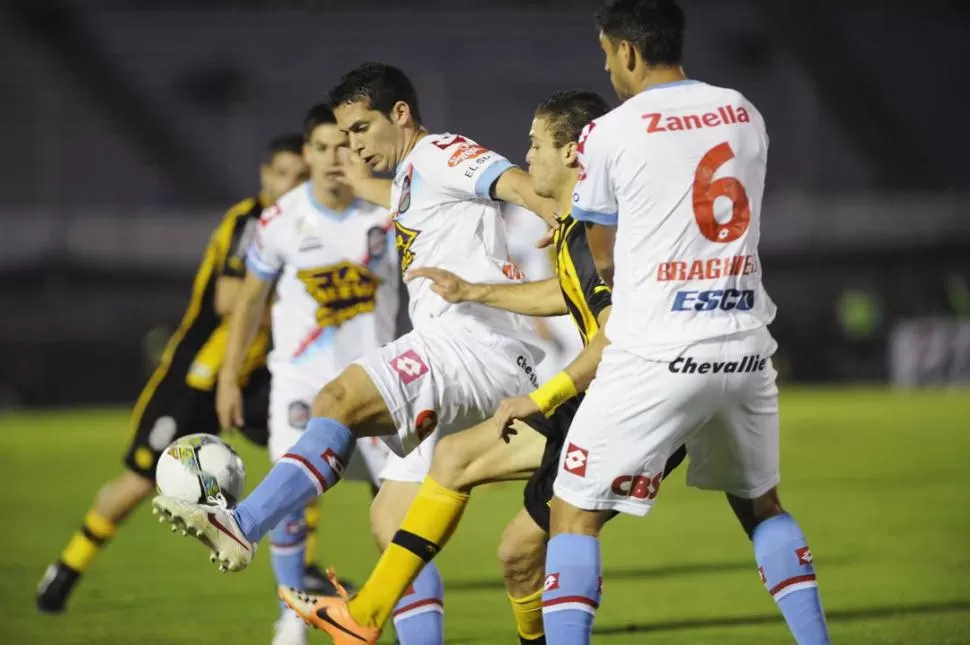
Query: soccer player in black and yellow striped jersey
179	398
525	437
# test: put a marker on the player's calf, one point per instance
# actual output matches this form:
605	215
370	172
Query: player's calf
785	563
522	554
574	578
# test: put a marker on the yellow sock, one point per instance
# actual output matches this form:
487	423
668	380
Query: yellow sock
528	615
312	518
87	542
430	521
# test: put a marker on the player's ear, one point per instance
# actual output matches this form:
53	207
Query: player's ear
400	113
306	152
628	55
570	155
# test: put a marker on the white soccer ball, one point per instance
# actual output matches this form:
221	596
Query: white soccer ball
201	468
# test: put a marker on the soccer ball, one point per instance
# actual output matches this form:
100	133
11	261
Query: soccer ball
201	468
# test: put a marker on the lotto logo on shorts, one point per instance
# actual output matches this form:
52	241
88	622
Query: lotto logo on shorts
804	555
761	574
575	461
409	366
551	582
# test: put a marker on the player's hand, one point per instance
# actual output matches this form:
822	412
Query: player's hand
444	283
549	211
546	239
352	168
508	411
229	404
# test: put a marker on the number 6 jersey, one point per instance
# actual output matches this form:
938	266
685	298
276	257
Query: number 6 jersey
336	295
679	169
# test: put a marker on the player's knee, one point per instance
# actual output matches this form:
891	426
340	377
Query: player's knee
382	528
449	463
335	401
118	497
566	518
752	512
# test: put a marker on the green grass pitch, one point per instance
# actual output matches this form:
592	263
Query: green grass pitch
878	480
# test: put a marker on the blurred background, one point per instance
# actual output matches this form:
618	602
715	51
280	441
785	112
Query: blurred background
129	127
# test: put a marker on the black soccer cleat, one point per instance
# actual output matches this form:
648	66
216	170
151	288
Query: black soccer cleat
315	582
55	588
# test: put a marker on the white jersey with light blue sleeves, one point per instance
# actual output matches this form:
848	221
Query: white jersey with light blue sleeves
679	169
337	282
445	217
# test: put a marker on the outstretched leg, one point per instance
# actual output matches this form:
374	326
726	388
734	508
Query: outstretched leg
348	407
461	461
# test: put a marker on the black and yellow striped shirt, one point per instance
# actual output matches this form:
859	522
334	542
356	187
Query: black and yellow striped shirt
197	347
584	290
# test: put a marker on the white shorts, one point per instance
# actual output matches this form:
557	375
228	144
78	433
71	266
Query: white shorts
718	397
289	411
448	375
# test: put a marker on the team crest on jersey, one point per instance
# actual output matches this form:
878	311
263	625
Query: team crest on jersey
342	291
376	242
403	240
404	201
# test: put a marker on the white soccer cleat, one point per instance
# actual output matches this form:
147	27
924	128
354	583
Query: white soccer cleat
289	629
211	524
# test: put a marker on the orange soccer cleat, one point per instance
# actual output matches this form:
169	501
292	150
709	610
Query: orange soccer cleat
331	614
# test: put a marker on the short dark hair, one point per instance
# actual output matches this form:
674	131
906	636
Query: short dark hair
568	113
290	142
654	27
380	85
319	114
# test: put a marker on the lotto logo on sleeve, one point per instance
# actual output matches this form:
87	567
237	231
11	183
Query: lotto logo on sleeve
409	366
575	460
551	582
804	555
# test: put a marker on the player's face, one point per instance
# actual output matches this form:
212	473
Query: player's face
617	60
547	163
284	171
375	137
322	154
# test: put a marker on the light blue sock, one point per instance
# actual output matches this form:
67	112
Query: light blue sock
572	589
287	545
419	616
313	464
787	570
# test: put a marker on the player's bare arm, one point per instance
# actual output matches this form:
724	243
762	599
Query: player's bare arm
358	175
227	291
601	240
515	186
575	378
246	318
541	298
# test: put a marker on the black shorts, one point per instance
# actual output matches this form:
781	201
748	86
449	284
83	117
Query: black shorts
538	490
172	409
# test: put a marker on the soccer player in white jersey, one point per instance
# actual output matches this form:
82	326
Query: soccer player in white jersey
450	371
679	170
332	264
